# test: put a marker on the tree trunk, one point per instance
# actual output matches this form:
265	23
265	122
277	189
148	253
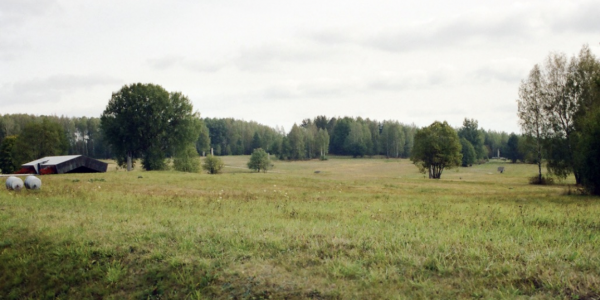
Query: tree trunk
129	162
539	156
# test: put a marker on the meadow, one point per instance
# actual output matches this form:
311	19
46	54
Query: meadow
357	229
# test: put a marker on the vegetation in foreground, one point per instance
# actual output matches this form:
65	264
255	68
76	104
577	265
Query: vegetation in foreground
367	228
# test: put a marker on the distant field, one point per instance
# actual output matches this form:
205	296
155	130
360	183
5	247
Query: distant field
358	229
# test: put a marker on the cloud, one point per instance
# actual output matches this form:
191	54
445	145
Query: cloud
413	79
267	56
327	87
433	34
576	17
173	61
165	62
515	23
11	49
315	88
14	12
510	70
51	89
63	83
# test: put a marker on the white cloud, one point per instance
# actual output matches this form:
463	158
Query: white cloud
414	79
272	56
510	70
51	89
14	12
172	61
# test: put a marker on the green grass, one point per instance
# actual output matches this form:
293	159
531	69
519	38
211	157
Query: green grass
361	228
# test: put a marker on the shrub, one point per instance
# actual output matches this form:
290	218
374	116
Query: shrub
187	160
259	160
213	164
543	181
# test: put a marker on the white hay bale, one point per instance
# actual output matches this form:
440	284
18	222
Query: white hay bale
14	183
33	183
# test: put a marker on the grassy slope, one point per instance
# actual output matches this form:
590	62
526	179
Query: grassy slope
361	228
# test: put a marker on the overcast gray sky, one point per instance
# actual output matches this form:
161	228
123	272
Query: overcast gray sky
278	62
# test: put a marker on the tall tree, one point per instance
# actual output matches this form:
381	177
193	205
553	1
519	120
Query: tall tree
38	140
357	139
562	99
203	142
8	165
321	122
469	156
310	140
437	147
296	143
533	120
323	142
338	137
256	141
589	150
145	121
470	131
392	139
511	150
587	122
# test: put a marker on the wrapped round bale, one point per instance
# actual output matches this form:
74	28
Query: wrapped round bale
33	183
14	183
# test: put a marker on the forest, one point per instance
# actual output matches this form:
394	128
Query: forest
313	138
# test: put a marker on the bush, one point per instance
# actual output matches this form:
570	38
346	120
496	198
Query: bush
544	181
213	164
187	160
589	152
259	160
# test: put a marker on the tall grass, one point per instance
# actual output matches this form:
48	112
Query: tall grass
361	228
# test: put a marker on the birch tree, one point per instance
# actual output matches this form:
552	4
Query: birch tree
533	120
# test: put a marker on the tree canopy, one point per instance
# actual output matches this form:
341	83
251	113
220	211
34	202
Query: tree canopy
436	148
469	156
470	131
8	165
40	139
145	121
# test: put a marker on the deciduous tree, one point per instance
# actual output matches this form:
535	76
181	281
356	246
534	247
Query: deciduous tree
8	165
533	120
436	148
259	160
145	121
470	131
187	159
512	151
469	156
38	140
212	164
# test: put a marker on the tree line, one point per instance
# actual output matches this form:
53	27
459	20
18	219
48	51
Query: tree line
313	138
146	122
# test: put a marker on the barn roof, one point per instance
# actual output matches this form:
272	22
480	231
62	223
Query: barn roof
64	164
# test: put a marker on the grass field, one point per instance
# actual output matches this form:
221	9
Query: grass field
358	229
